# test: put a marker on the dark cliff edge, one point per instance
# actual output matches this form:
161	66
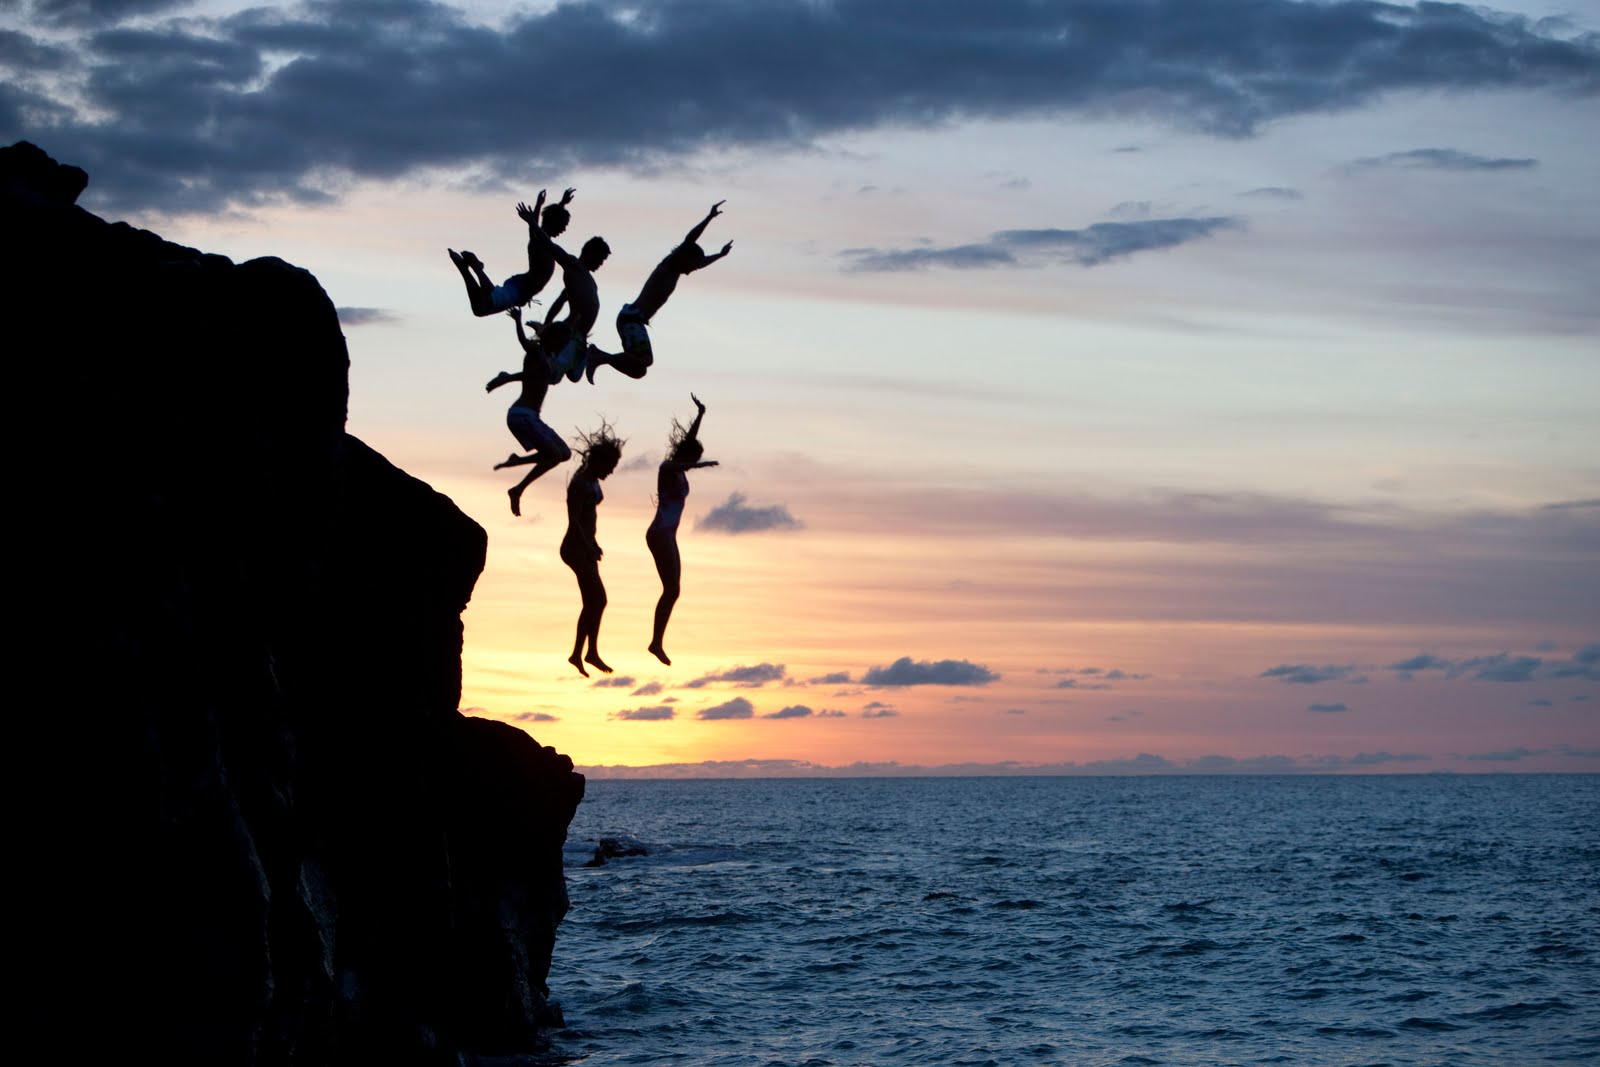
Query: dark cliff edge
256	826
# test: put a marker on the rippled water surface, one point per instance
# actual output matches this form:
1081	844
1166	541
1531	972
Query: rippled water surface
1373	920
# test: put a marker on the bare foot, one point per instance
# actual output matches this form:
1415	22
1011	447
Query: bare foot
594	660
592	363
515	493
578	663
512	460
659	653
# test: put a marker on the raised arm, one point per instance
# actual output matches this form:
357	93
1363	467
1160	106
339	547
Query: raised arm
527	345
706	261
700	413
530	215
669	464
700	227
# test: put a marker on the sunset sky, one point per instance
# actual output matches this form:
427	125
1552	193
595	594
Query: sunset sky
1098	385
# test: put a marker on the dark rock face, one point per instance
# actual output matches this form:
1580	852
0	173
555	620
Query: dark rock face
260	829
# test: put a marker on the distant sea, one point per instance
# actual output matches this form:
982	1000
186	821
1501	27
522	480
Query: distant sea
1198	920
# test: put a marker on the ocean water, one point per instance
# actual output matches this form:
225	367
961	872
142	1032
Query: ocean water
1224	920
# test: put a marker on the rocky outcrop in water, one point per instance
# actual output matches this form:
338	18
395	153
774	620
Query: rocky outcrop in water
257	829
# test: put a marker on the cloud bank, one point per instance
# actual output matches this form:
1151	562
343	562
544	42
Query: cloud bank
294	102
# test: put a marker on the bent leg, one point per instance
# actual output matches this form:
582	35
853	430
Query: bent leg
636	355
542	465
475	292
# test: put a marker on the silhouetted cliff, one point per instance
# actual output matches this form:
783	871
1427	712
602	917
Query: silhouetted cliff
259	829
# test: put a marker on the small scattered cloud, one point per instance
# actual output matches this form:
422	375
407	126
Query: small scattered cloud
648	689
1274	192
1015	711
793	711
1364	759
1327	708
737	708
742	677
1109	674
534	716
352	316
1423	661
1073	683
735	516
1584	663
1510	755
1504	666
657	713
878	713
1541	703
832	713
615	681
1101	242
1443	159
1306	674
904	671
1132	209
836	678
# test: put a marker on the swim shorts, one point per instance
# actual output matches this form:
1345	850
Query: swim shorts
534	436
571	360
631	327
512	293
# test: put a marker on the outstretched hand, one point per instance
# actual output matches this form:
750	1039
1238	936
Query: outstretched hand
530	215
697	403
716	209
566	197
726	249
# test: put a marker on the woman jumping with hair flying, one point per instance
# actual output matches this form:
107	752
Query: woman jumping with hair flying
672	489
601	452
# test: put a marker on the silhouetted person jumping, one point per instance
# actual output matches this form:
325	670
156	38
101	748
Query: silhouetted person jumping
545	447
488	298
582	297
579	550
672	490
636	355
